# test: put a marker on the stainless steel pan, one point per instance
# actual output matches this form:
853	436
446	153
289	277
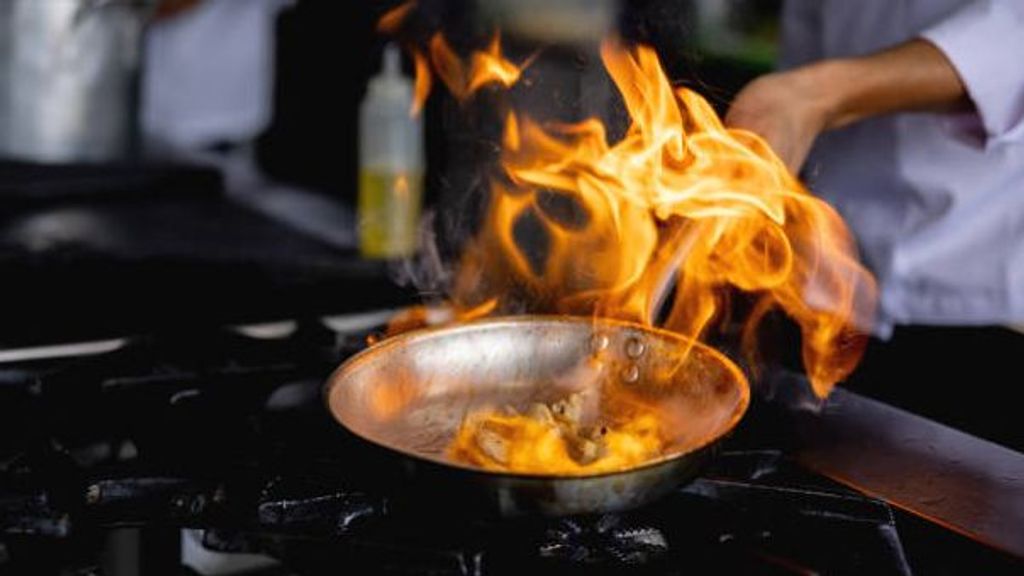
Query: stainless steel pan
409	394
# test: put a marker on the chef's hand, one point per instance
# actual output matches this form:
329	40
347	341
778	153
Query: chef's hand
787	109
790	109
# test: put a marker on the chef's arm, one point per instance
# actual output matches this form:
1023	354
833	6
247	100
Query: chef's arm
913	76
789	109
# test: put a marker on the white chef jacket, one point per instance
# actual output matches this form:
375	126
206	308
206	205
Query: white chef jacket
936	200
209	73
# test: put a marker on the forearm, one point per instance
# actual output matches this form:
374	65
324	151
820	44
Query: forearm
790	109
912	76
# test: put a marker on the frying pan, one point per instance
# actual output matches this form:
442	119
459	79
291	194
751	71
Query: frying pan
409	395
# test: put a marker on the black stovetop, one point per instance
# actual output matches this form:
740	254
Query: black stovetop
228	434
94	251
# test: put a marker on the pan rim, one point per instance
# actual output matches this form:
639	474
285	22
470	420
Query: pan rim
350	363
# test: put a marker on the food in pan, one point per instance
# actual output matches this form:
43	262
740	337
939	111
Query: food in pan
553	439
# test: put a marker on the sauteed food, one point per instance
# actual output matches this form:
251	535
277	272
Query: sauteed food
597	422
554	438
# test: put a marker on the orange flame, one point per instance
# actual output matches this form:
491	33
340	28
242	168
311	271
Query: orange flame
583	226
392	20
532	446
421	87
484	67
416	317
461	79
679	213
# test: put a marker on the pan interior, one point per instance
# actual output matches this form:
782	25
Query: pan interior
412	393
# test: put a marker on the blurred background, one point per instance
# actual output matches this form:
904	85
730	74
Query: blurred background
198	160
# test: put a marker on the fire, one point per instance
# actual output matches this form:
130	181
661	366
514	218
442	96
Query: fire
484	67
416	317
392	20
497	441
421	87
463	79
670	222
679	198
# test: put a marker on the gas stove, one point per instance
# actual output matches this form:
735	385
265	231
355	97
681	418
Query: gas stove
752	513
112	451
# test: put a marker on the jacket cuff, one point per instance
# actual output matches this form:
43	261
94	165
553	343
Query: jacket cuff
984	41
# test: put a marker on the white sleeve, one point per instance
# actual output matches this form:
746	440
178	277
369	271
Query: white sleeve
801	33
984	40
210	73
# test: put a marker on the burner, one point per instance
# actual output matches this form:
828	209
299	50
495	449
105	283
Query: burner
607	540
226	433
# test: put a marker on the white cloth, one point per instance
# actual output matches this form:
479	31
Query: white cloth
209	73
936	200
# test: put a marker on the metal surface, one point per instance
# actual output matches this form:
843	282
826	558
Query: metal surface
411	393
964	483
68	78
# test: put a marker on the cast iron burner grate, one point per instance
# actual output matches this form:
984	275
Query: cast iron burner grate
754	512
607	540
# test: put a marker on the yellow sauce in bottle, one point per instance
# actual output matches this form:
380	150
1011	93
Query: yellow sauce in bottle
389	213
391	164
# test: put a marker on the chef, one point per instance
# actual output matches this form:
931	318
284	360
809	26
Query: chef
908	116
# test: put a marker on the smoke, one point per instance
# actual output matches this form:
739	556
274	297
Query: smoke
790	389
443	234
426	271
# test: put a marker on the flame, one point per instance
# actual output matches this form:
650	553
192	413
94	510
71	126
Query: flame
462	79
416	317
393	19
531	446
421	86
483	68
580	226
669	222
